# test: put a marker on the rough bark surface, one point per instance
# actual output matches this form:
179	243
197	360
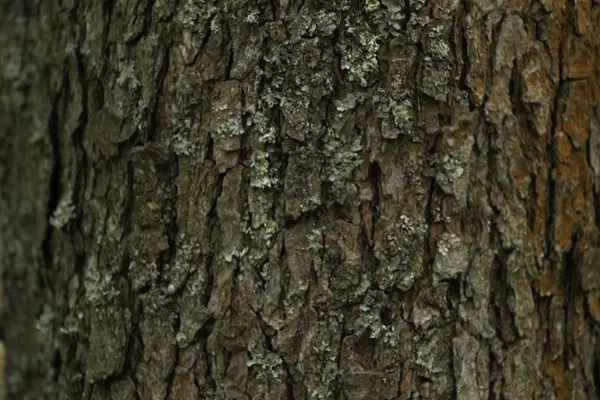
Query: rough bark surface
300	199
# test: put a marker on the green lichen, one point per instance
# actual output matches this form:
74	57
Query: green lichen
348	103
370	319
195	13
343	160
235	253
262	176
401	250
182	146
263	234
231	127
437	64
330	373
98	284
359	58
128	77
315	240
253	16
438	45
270	365
269	230
264	127
402	113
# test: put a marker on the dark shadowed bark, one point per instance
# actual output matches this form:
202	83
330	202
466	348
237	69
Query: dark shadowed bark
342	199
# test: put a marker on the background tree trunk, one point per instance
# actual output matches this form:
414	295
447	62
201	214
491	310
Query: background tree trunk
300	199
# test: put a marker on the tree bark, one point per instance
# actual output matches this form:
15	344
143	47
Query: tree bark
300	199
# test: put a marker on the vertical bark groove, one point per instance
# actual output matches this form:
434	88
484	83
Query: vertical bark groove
300	199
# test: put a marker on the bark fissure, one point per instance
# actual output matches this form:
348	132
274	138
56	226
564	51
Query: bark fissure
54	189
300	199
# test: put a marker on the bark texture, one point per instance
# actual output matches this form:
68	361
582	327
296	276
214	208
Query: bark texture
280	199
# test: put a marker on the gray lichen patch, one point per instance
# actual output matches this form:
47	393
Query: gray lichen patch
98	282
193	17
399	248
315	240
128	77
343	157
436	76
359	52
262	174
270	364
297	118
452	258
193	14
437	63
437	44
300	75
398	118
182	146
268	231
450	171
64	212
369	320
225	123
453	169
186	259
302	184
263	127
403	115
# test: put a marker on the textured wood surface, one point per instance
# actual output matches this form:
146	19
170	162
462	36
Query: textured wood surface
300	199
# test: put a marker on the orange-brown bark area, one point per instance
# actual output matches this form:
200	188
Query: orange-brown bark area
252	199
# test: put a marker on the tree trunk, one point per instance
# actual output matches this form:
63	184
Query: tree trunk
300	199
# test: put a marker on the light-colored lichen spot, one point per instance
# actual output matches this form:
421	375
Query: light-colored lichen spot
360	59
194	13
229	127
262	175
343	159
64	212
452	257
315	240
182	146
270	365
128	77
264	127
252	16
399	247
370	319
